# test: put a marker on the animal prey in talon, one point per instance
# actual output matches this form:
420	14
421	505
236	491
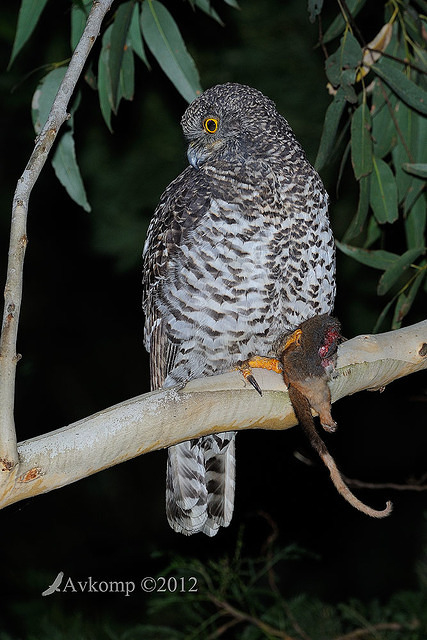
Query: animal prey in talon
238	252
308	357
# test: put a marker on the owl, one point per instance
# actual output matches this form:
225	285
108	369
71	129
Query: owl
238	253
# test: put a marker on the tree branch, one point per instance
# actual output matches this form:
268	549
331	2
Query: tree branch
219	403
18	233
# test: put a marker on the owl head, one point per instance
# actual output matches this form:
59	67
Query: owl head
230	121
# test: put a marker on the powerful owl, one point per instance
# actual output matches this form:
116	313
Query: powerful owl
238	253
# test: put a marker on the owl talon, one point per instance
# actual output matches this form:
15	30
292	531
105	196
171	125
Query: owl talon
259	362
246	372
250	378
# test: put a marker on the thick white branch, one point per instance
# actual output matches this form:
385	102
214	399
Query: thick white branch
220	403
18	232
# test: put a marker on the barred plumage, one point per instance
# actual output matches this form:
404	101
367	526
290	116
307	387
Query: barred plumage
238	252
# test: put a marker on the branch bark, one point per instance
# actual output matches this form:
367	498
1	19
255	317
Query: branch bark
18	233
219	403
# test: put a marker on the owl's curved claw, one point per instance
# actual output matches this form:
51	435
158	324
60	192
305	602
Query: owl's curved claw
259	362
250	378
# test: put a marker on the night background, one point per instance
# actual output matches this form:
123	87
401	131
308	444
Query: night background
80	337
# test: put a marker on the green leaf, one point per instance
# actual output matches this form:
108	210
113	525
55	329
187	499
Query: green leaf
416	169
397	269
411	145
167	46
379	259
337	26
79	13
383	196
44	96
413	193
135	37
67	171
415	224
314	9
406	299
382	315
358	222
330	127
361	142
413	95
232	3
28	16
384	132
118	45
373	233
346	58
206	6
127	76
104	80
341	66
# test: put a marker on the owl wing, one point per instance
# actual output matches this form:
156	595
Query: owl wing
175	213
200	473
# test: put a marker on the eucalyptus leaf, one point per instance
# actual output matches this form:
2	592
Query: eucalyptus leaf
314	9
79	13
345	60
356	226
406	299
415	224
127	76
118	46
67	171
330	127
416	169
383	314
383	196
28	17
379	259
407	149
384	132
206	6
44	96
373	232
397	269
361	141
412	94
415	189
135	37
167	46
104	80
338	25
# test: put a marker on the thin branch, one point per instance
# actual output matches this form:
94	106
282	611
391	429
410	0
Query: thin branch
210	405
359	484
242	616
404	61
363	633
18	233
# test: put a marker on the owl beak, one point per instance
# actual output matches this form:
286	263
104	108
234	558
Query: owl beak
193	156
196	154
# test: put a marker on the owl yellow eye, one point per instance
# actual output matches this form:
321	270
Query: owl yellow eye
210	125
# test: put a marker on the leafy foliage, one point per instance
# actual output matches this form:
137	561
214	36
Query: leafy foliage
243	598
383	84
379	106
134	24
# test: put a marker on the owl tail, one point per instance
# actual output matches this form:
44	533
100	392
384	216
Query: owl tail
200	484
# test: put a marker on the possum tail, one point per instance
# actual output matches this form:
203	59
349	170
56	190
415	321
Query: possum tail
303	412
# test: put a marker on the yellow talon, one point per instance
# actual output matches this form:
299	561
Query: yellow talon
259	362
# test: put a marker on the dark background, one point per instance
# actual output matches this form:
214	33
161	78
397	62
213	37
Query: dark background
81	340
